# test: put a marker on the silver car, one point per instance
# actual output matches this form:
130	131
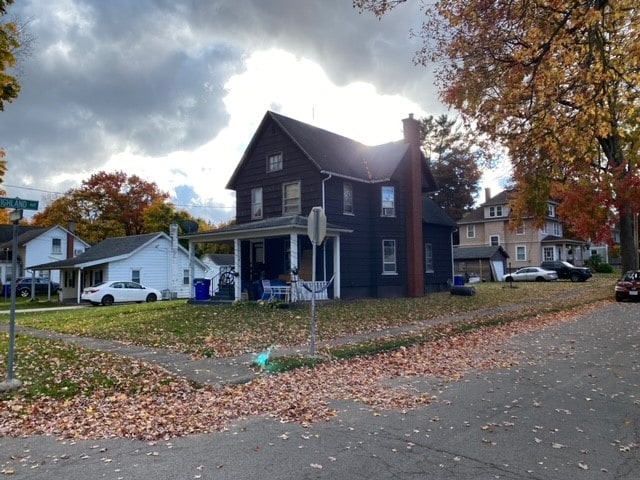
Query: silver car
531	274
119	291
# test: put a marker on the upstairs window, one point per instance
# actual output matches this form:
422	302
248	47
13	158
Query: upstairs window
494	240
291	198
256	203
388	201
551	210
56	246
274	162
557	231
495	211
347	198
471	231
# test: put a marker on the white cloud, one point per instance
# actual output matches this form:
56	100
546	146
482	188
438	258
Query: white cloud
273	80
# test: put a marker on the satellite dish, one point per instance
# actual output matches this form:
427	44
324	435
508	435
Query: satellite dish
189	226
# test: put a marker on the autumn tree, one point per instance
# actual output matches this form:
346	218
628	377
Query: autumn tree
9	44
105	205
454	161
558	84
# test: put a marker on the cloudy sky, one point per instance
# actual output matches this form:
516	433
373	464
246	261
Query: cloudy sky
172	91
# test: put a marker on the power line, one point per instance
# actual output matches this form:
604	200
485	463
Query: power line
219	206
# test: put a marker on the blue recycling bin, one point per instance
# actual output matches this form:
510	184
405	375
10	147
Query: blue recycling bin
458	280
202	286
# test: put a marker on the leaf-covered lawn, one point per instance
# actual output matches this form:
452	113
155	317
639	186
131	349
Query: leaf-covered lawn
248	327
111	396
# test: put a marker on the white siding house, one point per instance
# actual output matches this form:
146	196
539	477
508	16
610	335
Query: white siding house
154	260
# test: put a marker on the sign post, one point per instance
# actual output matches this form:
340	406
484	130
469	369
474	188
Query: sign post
317	230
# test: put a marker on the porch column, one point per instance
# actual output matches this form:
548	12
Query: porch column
336	266
192	254
237	262
294	262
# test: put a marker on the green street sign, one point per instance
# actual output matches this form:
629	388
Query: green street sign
18	203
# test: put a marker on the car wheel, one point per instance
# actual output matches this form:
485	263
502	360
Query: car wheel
619	297
107	300
24	292
574	277
539	279
508	279
152	297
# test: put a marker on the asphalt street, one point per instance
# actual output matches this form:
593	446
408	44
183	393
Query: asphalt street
570	409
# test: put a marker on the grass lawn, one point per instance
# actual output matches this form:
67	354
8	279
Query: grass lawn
249	327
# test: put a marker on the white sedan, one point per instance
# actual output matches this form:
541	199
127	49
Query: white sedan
118	291
531	274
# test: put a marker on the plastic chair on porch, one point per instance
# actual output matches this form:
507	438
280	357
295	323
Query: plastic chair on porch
267	292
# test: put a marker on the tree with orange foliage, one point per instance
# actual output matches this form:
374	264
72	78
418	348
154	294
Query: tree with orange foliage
558	84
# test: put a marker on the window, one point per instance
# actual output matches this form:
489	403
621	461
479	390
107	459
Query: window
256	203
388	201
347	198
274	162
135	276
494	240
428	257
547	254
471	231
521	253
56	246
551	210
388	257
185	276
557	231
291	198
495	211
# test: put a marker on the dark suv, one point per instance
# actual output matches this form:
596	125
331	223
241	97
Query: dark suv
566	270
23	286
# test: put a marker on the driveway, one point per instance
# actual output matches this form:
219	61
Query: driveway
569	410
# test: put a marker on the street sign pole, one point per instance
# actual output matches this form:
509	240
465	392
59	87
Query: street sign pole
12	383
317	230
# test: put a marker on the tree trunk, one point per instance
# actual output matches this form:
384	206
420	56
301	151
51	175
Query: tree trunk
628	247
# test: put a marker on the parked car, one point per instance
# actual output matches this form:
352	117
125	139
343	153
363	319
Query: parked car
118	291
628	287
567	270
531	274
43	286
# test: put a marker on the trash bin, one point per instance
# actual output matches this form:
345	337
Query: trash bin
202	286
458	280
6	290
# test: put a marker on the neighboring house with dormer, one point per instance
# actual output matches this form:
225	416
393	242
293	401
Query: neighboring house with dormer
383	236
155	260
527	245
37	245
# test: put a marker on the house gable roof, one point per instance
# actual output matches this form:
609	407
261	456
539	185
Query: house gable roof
475	253
433	214
335	154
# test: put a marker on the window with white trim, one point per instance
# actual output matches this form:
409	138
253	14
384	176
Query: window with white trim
551	210
135	276
495	211
185	276
494	240
388	257
557	230
471	231
274	162
388	201
521	253
291	198
428	258
56	246
347	198
256	203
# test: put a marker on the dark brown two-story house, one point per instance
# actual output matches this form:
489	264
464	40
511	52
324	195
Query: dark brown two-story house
384	236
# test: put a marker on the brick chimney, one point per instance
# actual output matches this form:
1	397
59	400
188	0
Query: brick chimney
415	253
71	230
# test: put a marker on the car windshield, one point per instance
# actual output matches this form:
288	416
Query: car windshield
632	276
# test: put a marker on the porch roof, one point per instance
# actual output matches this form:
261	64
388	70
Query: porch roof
269	227
566	241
